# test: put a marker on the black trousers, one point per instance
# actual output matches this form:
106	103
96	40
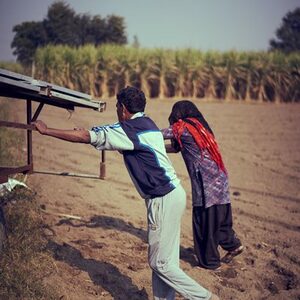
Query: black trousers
213	227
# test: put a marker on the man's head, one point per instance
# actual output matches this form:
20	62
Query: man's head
130	101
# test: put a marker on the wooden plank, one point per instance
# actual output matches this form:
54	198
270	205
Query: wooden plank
17	125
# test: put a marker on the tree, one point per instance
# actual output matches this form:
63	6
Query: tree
288	34
62	26
95	31
135	43
115	30
29	36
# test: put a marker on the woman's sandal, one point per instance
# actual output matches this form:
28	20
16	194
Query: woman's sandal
231	254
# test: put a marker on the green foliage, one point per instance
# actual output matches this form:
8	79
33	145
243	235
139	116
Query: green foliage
12	66
28	37
115	30
102	71
62	26
288	34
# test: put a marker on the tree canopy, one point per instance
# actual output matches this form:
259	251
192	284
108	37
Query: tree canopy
288	34
62	26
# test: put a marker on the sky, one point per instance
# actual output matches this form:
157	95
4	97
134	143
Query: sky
222	25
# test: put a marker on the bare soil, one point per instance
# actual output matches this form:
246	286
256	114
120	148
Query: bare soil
104	255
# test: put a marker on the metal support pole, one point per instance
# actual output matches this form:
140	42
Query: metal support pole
29	137
102	165
37	112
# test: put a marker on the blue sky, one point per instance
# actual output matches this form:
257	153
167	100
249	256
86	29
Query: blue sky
201	24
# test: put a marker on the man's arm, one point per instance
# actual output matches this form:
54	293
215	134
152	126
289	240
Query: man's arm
75	135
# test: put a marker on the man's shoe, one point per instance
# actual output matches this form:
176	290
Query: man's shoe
231	254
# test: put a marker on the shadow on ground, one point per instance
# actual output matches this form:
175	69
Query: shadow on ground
107	222
101	273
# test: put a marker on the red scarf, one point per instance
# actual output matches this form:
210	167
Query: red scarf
204	139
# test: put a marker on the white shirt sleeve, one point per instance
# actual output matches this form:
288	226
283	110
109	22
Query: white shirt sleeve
110	137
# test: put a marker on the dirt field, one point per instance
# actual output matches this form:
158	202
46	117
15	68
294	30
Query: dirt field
104	255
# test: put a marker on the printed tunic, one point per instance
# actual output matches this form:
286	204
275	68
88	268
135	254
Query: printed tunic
144	153
209	183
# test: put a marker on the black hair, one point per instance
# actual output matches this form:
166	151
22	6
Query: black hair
187	109
133	99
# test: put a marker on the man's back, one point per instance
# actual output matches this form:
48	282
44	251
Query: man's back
148	163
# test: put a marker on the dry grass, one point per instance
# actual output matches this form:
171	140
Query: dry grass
25	259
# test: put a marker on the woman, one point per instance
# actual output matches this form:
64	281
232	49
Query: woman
212	216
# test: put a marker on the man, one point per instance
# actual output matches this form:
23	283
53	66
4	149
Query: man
143	149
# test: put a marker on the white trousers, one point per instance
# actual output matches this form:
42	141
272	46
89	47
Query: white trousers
164	219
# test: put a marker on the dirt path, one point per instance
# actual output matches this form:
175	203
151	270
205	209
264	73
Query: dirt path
104	255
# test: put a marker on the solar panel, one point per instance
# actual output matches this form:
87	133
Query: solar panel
15	85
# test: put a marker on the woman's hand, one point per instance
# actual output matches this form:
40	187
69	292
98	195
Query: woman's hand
40	126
